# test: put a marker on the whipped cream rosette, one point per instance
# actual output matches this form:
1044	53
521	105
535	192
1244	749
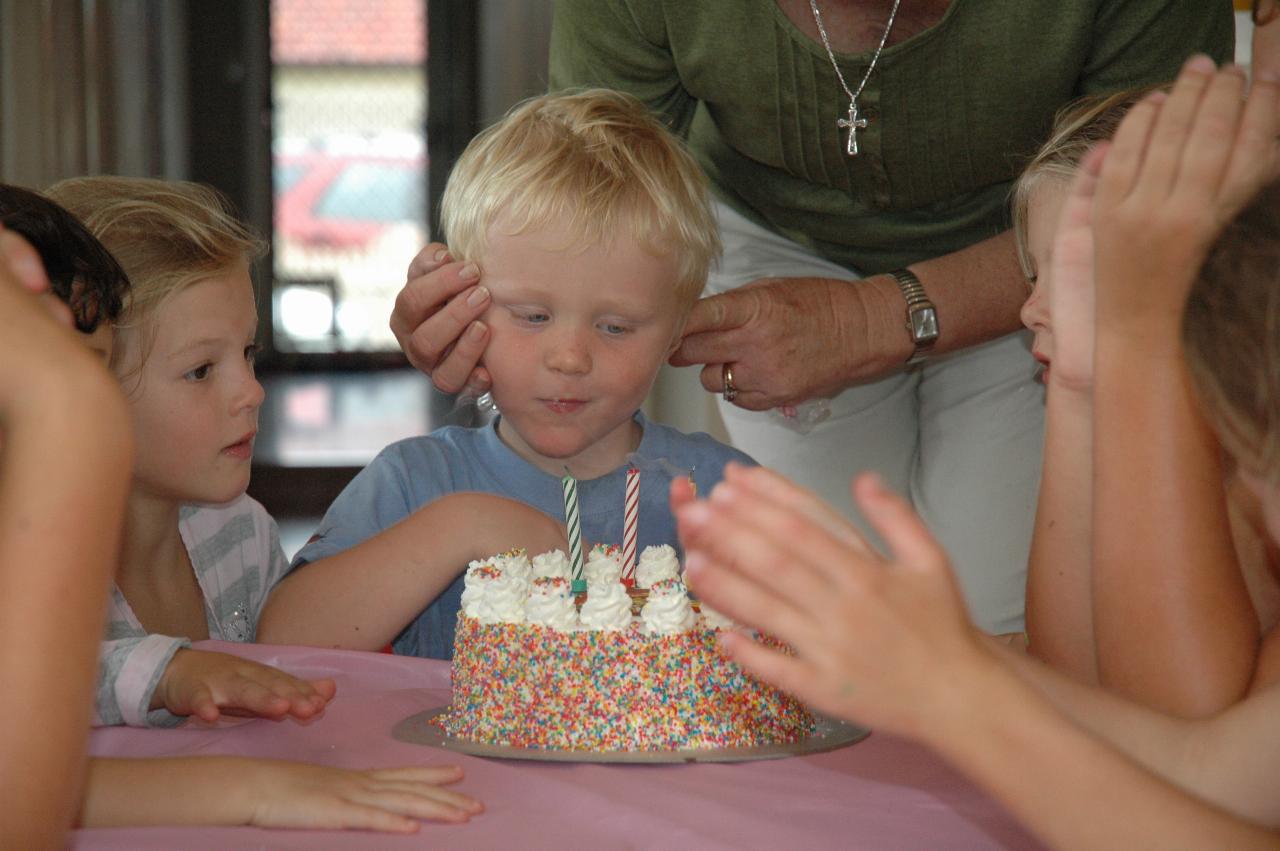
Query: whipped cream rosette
550	604
552	564
602	565
608	607
516	563
479	574
657	563
668	610
501	600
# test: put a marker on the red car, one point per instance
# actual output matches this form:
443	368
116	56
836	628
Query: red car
343	202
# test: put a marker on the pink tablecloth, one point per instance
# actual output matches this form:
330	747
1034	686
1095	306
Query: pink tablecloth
881	793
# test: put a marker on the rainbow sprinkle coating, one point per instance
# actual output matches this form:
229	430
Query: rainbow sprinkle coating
529	686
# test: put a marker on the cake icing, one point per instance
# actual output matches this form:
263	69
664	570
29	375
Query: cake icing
656	564
602	679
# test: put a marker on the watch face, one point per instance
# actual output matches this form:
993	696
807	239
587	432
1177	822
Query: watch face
924	325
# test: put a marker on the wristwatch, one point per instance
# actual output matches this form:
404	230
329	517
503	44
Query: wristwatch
922	316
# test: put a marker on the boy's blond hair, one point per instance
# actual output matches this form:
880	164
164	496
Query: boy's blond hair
1077	128
1231	336
166	234
596	161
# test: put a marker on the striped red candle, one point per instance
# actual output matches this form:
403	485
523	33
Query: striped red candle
630	523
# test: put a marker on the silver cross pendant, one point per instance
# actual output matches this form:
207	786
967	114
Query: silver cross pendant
854	122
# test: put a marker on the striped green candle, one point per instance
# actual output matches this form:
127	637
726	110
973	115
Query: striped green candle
570	485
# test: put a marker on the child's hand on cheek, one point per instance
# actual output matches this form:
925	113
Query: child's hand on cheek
205	684
1071	297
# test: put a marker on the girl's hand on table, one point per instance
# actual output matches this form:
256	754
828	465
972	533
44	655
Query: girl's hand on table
436	321
206	684
1180	168
883	642
392	800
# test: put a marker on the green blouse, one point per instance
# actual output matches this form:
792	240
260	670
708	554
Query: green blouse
954	110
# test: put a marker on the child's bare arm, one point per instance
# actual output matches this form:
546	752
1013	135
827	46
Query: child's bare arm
1059	585
269	793
886	642
205	684
362	598
1174	624
66	447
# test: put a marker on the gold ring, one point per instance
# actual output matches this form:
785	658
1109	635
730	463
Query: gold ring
730	389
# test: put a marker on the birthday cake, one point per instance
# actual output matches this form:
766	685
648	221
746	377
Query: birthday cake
620	670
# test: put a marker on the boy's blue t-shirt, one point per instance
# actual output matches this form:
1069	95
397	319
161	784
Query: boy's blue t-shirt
413	472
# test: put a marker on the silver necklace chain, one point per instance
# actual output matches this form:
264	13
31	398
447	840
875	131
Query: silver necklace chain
855	121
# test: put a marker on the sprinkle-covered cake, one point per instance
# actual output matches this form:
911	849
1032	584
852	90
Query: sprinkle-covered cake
535	668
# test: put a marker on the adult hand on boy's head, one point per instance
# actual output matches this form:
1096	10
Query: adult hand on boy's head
883	642
1180	168
789	340
206	684
436	321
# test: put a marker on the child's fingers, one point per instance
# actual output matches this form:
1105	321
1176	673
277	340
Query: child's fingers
1256	154
789	673
734	529
203	706
796	542
681	492
1163	158
435	774
324	688
911	544
773	486
251	696
1123	163
745	600
1077	211
403	795
1213	128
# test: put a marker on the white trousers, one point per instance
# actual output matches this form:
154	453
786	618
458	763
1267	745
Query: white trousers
962	436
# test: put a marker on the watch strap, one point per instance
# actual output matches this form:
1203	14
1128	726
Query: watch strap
917	300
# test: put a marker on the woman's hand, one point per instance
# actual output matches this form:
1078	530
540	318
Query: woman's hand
436	320
882	642
793	339
206	684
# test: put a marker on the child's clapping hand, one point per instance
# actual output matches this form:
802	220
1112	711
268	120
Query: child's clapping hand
882	642
1179	169
205	684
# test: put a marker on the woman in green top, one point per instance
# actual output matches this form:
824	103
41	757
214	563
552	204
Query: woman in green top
925	380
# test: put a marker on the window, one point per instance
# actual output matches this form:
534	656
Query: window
349	158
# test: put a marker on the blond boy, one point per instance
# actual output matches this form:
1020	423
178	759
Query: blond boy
595	233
